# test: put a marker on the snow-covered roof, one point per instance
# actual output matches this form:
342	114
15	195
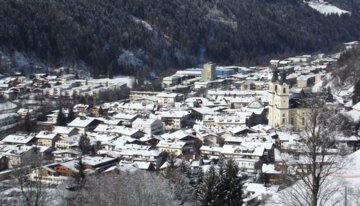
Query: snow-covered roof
174	145
356	106
115	129
125	116
46	135
243	150
18	139
63	130
269	169
143	121
167	95
10	150
81	122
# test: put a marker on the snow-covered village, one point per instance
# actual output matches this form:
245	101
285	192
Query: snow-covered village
285	133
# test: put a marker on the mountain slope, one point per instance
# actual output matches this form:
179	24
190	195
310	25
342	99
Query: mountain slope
121	36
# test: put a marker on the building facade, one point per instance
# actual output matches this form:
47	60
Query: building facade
280	110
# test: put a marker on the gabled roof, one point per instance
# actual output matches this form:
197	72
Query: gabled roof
82	122
63	130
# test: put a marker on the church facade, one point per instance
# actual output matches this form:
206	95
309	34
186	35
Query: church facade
281	112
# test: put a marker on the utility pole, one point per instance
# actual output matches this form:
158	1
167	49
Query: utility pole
345	196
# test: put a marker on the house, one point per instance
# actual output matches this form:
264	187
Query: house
210	152
65	131
136	95
125	119
270	174
168	98
46	138
18	154
65	155
254	193
184	135
80	108
139	155
174	120
91	164
136	107
84	124
17	139
148	126
171	147
67	142
118	130
248	158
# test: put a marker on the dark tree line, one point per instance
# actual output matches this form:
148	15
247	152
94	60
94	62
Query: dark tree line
184	32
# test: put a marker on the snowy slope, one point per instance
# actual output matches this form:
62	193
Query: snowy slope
347	178
326	8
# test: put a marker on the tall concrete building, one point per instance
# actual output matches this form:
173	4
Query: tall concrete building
208	72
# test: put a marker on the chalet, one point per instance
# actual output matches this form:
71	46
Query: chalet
171	147
125	119
70	168
65	131
84	124
46	138
271	175
67	142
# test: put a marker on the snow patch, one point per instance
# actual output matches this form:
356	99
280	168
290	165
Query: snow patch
129	59
326	8
144	23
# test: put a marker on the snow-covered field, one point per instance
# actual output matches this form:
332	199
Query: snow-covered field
326	8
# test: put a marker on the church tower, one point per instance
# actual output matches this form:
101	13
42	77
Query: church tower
279	100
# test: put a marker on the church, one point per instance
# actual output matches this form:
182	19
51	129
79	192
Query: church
282	109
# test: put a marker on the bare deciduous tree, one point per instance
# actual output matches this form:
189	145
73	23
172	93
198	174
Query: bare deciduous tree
315	160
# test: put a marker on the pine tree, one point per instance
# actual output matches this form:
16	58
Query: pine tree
329	96
184	168
200	179
101	112
209	190
171	168
84	144
71	115
356	94
28	125
231	184
61	118
80	175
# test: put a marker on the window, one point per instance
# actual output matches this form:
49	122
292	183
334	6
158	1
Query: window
275	88
284	90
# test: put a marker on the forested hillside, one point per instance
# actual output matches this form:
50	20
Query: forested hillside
120	36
